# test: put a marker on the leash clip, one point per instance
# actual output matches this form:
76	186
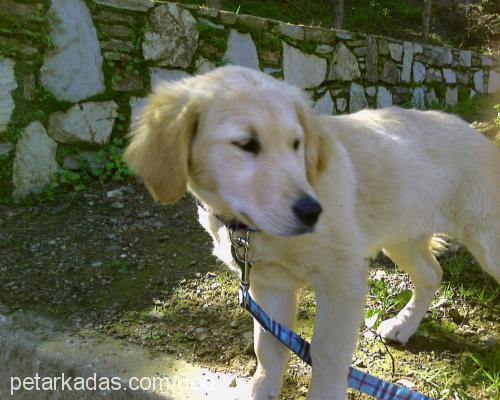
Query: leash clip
240	250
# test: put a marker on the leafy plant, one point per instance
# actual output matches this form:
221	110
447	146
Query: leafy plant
108	164
384	300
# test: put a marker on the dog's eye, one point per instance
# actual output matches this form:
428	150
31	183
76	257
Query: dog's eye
250	145
296	144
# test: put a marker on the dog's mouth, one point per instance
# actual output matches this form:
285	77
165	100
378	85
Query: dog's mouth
272	230
244	219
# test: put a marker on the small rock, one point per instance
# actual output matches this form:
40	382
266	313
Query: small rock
155	315
248	335
5	149
200	331
118	205
233	383
379	275
215	285
341	104
488	340
441	302
406	383
96	264
233	324
115	194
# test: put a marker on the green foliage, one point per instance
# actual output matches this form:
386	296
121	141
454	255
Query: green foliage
383	16
384	301
477	108
266	40
109	165
120	266
213	36
468	24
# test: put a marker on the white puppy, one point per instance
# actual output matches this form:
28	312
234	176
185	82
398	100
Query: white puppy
326	193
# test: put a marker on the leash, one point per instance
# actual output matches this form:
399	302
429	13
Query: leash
358	380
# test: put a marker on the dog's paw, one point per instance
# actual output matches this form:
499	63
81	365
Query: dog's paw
263	389
396	330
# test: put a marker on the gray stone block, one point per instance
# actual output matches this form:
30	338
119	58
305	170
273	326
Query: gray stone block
7	85
72	69
34	162
303	70
173	38
241	50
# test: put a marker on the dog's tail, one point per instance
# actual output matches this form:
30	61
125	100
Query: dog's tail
438	244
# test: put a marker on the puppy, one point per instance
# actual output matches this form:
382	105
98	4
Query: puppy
325	194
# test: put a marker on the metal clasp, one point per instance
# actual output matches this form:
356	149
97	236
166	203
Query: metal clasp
240	250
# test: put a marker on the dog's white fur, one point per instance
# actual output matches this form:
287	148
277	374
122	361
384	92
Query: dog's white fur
386	179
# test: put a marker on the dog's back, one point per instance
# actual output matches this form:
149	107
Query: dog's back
419	173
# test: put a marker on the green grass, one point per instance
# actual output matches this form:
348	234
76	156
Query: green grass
478	108
486	369
400	19
384	17
463	278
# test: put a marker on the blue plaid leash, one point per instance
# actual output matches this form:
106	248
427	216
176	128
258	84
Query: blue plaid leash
358	380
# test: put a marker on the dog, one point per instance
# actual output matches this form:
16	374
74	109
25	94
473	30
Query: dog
325	193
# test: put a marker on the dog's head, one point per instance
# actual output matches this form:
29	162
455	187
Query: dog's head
243	142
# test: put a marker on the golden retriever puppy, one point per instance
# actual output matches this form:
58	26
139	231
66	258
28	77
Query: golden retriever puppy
325	193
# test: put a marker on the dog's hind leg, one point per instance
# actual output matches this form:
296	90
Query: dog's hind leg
484	244
414	257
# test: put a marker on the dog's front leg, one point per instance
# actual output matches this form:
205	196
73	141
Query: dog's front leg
340	297
276	294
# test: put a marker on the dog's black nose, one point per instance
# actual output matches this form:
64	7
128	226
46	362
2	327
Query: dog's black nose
307	210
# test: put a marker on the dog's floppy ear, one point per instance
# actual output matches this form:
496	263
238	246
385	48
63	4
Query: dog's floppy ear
159	146
316	143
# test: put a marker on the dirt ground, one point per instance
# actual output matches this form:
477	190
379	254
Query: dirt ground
112	260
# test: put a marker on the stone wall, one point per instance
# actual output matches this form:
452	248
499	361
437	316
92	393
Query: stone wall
73	73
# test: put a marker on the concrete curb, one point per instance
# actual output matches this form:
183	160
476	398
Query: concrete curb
31	345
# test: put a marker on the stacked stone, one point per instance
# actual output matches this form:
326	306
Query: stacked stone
19	33
98	59
346	71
